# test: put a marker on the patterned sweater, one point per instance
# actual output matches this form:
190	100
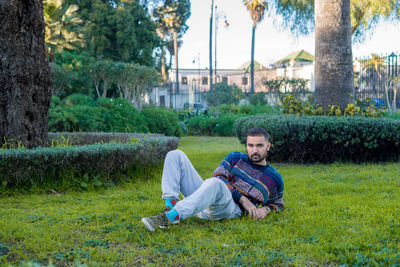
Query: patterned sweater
262	185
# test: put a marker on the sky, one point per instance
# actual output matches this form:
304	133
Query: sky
272	43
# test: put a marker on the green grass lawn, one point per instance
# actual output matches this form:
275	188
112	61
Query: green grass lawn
338	214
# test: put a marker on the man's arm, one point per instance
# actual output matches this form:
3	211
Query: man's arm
277	205
255	213
223	172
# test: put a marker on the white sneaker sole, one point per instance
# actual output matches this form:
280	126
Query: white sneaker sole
148	225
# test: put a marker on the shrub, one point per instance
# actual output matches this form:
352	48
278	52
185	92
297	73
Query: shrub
224	126
201	125
365	108
24	168
224	94
119	115
310	139
258	99
160	120
83	114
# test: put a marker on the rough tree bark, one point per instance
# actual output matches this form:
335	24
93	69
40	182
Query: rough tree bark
334	77
25	86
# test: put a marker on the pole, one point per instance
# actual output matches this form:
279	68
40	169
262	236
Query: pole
211	22
215	44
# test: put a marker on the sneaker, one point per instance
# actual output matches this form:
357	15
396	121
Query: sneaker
154	222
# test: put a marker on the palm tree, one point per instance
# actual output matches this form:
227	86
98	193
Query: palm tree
62	26
334	76
173	15
256	9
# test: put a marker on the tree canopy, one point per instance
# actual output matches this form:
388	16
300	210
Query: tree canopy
298	15
120	30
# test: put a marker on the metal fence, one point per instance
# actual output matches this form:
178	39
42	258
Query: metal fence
377	77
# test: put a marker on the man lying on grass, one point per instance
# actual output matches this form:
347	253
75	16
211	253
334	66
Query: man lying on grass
242	183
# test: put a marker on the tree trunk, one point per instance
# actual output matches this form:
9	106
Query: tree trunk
175	35
163	67
25	85
252	58
334	77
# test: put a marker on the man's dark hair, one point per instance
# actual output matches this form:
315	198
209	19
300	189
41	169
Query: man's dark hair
257	131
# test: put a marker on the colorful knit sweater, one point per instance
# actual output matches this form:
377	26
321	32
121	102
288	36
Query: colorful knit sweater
262	185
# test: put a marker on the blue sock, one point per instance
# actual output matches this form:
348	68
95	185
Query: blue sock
172	215
170	203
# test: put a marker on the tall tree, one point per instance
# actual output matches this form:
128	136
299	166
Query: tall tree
256	9
25	86
175	13
119	30
334	76
333	56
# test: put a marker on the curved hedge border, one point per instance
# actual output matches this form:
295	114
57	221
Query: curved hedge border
87	138
27	167
325	139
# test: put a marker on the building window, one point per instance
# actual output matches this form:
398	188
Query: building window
204	80
245	81
184	80
225	80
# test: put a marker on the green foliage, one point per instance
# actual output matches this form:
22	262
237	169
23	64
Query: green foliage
219	120
82	113
63	25
120	31
79	63
224	94
62	80
161	120
365	108
313	139
24	168
258	99
201	125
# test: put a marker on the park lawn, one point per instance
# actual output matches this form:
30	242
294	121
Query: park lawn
337	214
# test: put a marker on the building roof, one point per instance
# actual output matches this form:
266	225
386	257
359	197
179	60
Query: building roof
298	56
257	66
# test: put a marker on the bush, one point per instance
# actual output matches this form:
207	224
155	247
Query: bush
258	99
224	126
311	139
24	168
119	115
201	125
224	94
160	120
81	113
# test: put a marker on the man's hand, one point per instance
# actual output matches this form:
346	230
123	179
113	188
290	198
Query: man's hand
255	213
262	212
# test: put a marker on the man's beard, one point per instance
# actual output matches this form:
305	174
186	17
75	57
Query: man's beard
259	157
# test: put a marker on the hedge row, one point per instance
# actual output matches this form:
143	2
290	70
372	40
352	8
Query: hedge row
25	168
88	138
312	139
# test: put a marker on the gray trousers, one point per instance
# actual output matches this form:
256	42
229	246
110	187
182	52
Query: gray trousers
209	199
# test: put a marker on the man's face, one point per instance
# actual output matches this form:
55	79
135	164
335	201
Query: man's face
257	149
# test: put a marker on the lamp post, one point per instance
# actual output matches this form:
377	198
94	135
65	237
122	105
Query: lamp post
211	22
218	14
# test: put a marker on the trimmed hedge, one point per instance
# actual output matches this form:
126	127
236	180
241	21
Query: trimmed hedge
25	168
88	138
311	139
